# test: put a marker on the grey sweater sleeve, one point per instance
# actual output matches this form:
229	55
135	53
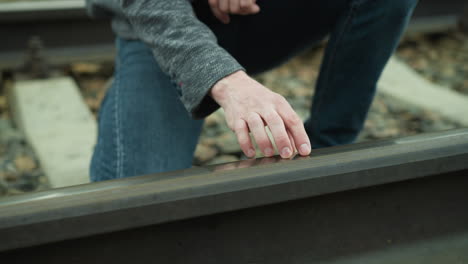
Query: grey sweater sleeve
184	48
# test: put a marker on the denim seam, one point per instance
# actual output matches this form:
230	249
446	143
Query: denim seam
332	59
117	119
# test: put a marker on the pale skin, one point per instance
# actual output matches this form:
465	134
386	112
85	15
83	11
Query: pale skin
249	106
222	8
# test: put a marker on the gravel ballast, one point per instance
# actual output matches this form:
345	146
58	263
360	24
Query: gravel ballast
440	57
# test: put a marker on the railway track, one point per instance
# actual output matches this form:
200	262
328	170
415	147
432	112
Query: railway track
69	35
65	30
393	201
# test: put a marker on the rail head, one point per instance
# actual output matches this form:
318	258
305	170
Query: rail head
155	199
28	11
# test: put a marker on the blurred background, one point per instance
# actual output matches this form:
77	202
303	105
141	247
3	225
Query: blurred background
42	41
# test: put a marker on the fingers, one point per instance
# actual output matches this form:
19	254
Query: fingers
248	105
289	138
234	6
242	132
295	126
238	7
242	7
244	4
257	128
223	6
280	135
292	142
221	16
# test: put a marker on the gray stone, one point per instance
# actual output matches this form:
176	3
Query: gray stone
215	119
227	143
8	133
204	153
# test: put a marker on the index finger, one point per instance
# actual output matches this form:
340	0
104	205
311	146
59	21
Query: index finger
295	126
242	132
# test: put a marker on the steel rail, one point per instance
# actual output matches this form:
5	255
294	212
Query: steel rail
41	10
64	28
102	210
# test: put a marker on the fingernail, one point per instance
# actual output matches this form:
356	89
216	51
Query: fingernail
286	152
268	152
304	149
251	153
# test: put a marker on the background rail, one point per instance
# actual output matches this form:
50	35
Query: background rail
69	35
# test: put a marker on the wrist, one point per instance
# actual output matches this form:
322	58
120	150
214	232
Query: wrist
220	90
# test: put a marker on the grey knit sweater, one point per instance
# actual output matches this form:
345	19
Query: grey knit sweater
184	47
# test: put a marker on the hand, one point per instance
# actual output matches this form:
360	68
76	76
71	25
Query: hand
249	106
222	8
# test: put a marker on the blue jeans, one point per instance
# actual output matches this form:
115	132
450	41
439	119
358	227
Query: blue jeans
144	128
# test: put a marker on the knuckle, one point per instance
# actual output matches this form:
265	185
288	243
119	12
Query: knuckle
276	123
293	120
213	3
279	99
246	7
252	118
231	126
270	117
239	127
235	9
224	8
248	3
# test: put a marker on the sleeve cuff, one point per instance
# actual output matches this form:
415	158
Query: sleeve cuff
196	98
